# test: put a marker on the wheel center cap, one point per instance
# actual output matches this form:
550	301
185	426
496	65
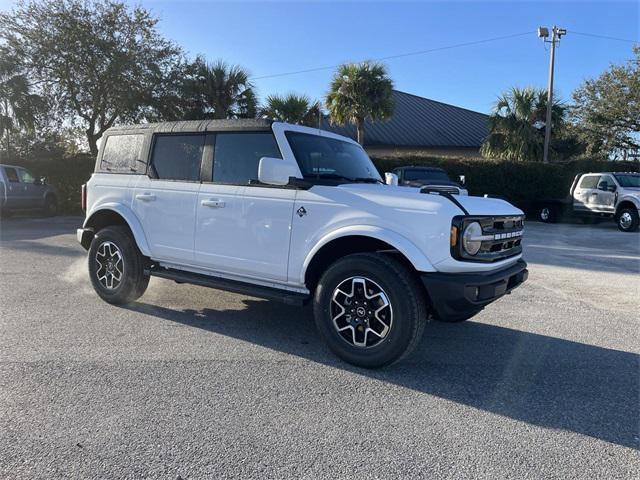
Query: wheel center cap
361	312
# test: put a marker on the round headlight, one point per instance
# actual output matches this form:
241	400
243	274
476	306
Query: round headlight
473	230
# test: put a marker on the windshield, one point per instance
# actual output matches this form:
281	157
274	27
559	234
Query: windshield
628	180
424	174
329	158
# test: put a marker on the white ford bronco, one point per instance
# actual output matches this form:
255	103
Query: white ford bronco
295	214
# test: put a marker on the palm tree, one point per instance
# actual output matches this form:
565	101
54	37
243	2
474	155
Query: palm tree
292	108
219	90
516	126
360	91
17	104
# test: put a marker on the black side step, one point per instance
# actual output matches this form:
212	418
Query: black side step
235	286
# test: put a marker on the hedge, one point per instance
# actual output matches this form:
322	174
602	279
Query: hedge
520	183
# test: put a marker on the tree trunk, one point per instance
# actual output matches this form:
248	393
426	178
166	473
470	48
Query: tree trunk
8	132
360	128
92	138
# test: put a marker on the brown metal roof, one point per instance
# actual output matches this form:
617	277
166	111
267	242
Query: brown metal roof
421	122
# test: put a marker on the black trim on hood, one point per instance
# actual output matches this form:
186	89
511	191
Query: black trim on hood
431	191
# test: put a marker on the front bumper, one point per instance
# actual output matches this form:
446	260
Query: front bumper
457	296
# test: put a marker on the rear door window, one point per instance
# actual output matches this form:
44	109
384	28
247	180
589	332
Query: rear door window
178	157
122	154
12	175
590	181
237	155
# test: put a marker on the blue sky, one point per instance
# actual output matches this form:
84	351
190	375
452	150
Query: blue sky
272	37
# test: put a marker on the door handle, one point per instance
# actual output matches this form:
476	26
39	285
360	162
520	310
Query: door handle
146	197
594	193
213	203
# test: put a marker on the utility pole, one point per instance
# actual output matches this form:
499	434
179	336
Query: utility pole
556	35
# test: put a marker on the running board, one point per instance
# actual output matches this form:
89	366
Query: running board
235	286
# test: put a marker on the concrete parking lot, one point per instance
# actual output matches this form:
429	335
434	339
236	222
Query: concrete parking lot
196	383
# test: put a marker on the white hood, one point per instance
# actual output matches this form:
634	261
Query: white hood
395	194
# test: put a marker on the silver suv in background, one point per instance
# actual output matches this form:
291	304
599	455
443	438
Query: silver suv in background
22	191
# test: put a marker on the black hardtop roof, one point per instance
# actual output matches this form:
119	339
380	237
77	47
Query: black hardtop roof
190	126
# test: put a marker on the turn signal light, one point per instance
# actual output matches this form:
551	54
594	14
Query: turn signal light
454	236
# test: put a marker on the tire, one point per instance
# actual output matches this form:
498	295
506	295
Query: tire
387	281
50	206
547	214
113	251
627	219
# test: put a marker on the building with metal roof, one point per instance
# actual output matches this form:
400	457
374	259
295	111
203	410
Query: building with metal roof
421	126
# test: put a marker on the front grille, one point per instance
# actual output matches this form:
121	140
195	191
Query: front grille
507	236
501	237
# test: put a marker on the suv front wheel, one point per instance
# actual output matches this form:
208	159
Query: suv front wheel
370	309
116	266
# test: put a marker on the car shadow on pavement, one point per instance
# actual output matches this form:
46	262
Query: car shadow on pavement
532	378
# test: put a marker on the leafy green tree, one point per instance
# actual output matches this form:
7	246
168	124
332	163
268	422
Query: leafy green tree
18	105
218	90
359	92
606	110
292	108
101	62
517	124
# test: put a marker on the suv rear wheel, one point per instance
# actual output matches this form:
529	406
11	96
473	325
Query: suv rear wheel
116	266
369	309
628	220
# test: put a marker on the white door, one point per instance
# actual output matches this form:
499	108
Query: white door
267	215
218	226
606	194
585	195
242	228
165	201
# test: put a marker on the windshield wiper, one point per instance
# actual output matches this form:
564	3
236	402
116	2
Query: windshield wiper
329	176
368	180
335	176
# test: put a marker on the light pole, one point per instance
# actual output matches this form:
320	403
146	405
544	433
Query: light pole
556	35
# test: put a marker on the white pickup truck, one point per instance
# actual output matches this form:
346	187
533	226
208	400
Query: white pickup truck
299	215
613	195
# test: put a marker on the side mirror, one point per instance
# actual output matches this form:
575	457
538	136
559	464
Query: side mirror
604	186
276	171
391	179
611	188
42	181
463	180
